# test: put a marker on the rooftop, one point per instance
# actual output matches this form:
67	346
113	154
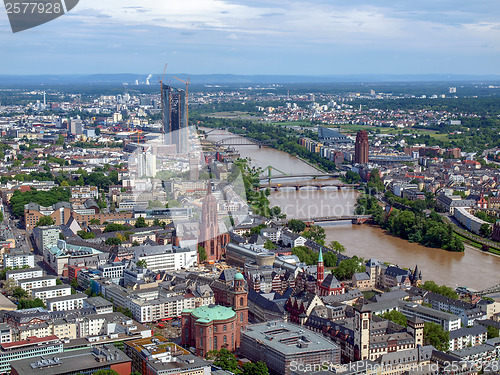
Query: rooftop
28	342
288	338
71	362
67	298
24	270
207	314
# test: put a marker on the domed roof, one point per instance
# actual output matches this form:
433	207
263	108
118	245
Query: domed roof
206	314
239	276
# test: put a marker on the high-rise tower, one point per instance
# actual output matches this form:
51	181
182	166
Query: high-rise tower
174	118
361	148
209	228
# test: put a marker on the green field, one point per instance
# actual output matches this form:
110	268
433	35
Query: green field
351	128
234	114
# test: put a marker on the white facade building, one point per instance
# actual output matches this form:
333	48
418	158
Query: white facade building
26	273
37	282
18	260
51	292
71	302
144	310
165	257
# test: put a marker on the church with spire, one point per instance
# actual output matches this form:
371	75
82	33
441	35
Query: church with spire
211	238
329	285
314	280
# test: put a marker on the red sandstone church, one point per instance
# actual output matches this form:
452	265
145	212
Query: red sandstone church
210	238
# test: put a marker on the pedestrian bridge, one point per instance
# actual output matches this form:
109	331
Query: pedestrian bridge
240	141
355	219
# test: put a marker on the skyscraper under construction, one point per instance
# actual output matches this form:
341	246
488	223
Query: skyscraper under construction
174	118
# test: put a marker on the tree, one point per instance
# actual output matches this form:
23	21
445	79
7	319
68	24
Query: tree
202	254
269	245
30	303
3	272
336	246
113	227
257	229
436	336
74	283
19	293
95	221
296	226
43	198
443	289
159	223
141	223
9	285
257	368
142	263
85	235
113	241
485	230
276	211
315	233
396	317
225	360
329	259
106	372
349	267
45	221
59	282
305	255
352	177
492	332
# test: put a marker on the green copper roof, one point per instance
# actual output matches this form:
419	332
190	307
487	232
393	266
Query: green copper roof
206	314
320	258
238	276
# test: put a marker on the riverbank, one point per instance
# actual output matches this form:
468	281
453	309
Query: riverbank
472	268
473	239
317	167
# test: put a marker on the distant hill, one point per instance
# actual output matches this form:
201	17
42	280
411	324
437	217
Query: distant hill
130	79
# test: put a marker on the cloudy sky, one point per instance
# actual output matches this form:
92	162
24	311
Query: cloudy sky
298	37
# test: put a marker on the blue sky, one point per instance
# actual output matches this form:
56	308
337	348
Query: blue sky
306	37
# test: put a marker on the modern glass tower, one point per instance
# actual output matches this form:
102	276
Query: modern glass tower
174	118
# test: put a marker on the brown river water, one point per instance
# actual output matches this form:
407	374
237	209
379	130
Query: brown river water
471	268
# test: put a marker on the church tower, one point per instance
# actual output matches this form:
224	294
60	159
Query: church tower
320	273
240	304
416	329
362	320
209	227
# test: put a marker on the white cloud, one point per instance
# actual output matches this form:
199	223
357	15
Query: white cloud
185	14
296	22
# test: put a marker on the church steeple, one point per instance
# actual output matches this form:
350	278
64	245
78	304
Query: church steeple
320	268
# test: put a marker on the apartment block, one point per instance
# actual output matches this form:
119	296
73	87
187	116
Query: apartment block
64	303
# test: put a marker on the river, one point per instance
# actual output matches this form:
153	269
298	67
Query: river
471	268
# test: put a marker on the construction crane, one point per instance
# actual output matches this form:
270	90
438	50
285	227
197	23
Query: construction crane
163	77
161	96
187	97
138	135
